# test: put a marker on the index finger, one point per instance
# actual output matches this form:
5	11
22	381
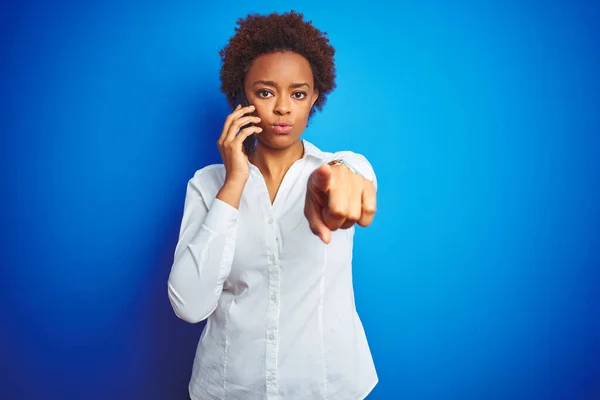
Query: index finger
237	113
313	213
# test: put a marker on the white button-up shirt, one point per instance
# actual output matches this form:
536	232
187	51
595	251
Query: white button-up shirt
282	323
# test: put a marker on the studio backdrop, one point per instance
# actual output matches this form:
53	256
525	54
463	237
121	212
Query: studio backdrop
478	278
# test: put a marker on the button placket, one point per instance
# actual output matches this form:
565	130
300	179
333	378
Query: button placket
272	327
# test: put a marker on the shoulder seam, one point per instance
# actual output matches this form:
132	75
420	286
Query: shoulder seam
206	169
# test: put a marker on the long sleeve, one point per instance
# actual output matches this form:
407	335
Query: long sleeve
358	162
203	255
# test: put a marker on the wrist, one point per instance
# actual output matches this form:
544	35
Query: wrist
341	162
235	181
231	192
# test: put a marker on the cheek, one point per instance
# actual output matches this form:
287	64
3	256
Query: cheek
263	107
304	111
261	112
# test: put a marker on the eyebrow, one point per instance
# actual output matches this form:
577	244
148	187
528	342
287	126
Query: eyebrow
273	84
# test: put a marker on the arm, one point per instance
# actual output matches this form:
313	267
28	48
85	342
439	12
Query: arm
203	255
206	245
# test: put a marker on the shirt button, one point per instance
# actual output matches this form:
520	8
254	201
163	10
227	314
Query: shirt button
271	337
274	297
270	221
272	259
271	378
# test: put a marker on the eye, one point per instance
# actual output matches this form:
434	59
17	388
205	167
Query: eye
299	95
264	94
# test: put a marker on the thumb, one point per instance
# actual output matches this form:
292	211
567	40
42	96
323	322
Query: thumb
320	178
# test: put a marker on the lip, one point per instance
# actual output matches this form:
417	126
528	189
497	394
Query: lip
282	127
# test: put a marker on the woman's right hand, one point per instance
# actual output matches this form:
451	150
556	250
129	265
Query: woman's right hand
231	143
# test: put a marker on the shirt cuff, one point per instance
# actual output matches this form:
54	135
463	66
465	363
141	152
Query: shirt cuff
349	165
222	218
359	164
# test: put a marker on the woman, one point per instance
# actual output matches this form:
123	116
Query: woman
265	246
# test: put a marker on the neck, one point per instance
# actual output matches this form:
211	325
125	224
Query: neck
274	163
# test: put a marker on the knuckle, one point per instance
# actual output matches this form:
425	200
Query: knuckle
239	121
337	211
369	209
334	226
364	222
353	216
348	224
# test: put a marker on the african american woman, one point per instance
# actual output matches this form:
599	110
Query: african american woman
265	245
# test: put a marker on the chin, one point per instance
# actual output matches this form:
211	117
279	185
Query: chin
276	141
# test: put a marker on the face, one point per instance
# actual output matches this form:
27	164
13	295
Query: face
281	87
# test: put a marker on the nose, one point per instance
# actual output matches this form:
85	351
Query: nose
282	106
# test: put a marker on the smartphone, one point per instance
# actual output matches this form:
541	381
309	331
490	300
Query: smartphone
250	141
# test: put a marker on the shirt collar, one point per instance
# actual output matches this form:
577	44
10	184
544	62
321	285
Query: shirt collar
310	150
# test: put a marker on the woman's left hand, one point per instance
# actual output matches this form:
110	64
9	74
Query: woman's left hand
338	198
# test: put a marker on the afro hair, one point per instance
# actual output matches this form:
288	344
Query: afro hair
264	34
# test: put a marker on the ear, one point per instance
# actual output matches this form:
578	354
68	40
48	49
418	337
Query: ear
315	96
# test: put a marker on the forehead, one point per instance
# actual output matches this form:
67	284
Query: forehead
280	67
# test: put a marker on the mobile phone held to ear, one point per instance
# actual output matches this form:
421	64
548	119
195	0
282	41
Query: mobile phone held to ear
242	100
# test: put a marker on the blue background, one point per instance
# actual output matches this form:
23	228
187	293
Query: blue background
479	276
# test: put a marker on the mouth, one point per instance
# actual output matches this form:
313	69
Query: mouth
282	128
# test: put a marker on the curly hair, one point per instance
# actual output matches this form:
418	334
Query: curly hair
264	34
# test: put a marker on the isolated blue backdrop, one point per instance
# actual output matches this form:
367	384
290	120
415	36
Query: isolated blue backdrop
479	276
